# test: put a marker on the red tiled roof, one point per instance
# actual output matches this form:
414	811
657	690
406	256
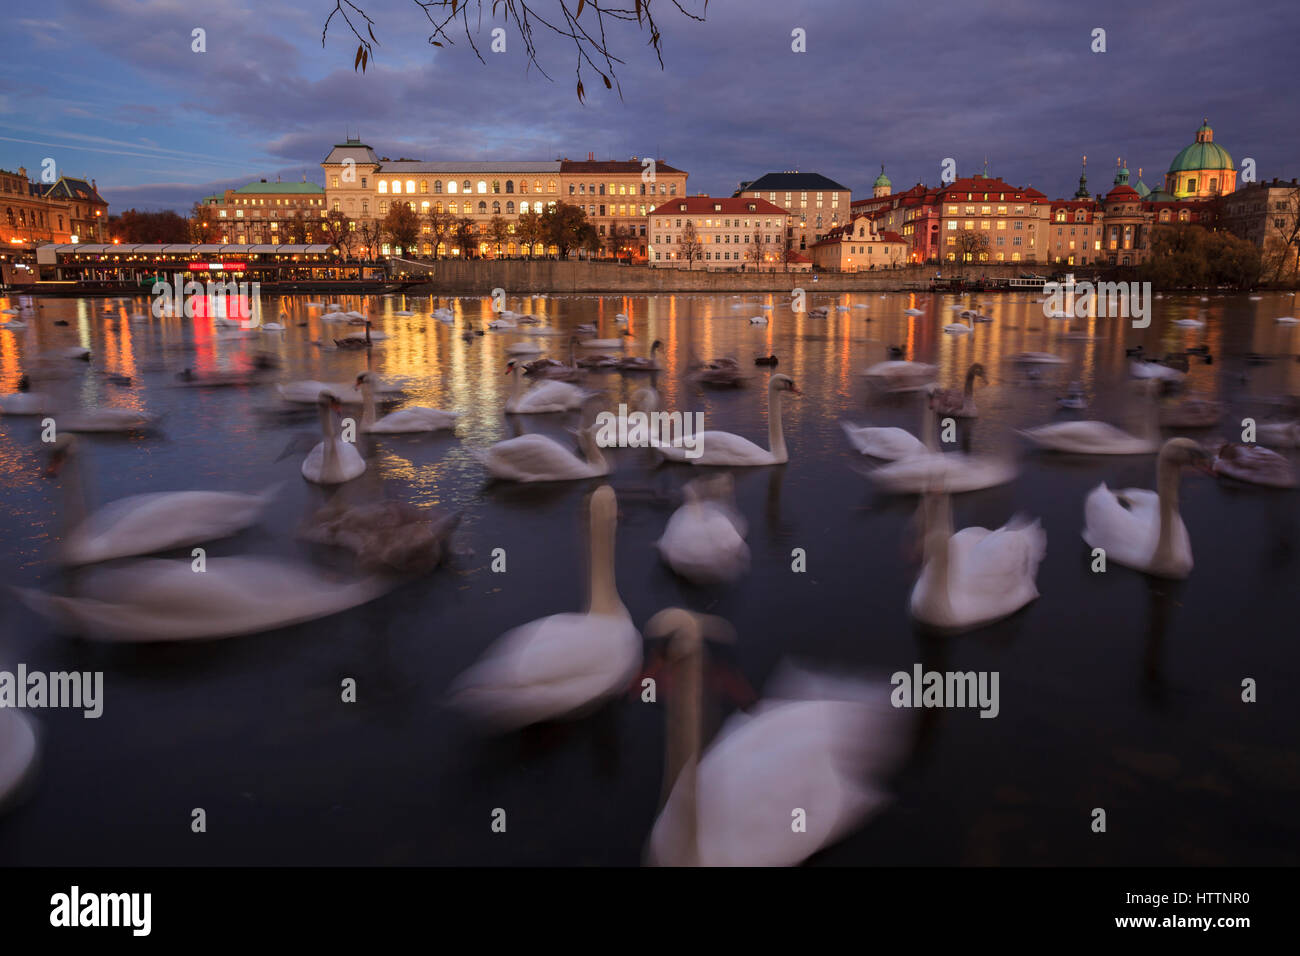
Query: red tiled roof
1123	194
891	237
597	166
979	185
697	205
795	257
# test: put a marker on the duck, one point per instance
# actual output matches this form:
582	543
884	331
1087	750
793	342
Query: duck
976	576
155	600
1253	464
1075	398
565	664
146	523
769	360
410	420
959	403
386	536
889	444
333	461
636	363
704	541
532	458
543	397
724	448
1142	529
823	748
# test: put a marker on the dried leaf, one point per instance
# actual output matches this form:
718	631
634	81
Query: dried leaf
435	43
581	4
357	62
606	79
581	94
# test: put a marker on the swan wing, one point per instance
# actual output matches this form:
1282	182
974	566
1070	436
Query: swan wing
1089	438
720	448
703	543
890	444
534	458
142	524
1126	525
416	419
549	668
158	600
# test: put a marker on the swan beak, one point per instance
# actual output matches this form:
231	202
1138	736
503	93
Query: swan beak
795	391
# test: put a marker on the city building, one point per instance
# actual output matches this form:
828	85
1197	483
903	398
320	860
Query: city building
1201	170
815	203
266	212
913	214
860	246
1268	214
615	195
618	197
713	232
67	210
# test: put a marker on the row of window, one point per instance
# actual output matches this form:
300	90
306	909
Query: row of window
671	240
803	199
37	218
986	210
623	189
1001	240
468	186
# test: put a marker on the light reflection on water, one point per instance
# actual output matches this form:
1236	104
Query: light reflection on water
1115	691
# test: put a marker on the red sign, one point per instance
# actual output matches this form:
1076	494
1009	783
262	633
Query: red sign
218	266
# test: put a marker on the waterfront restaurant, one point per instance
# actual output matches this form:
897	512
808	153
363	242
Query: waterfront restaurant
142	264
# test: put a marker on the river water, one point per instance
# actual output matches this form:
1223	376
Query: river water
1117	692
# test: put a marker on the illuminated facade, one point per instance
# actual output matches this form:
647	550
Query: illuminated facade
67	210
860	246
265	212
815	204
729	233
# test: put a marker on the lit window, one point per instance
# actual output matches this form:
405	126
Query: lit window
382	186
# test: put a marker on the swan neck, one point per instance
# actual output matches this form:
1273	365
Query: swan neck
603	597
970	382
938	532
75	500
368	396
682	747
775	434
1167	488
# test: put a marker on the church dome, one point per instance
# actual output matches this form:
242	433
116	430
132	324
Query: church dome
882	180
1205	153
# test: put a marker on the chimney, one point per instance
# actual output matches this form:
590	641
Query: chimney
591	157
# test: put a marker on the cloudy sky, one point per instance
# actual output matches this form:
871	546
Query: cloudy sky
112	90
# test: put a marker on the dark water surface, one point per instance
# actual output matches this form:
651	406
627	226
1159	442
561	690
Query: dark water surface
1116	691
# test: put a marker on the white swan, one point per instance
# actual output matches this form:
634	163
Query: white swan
758	320
823	750
1155	370
619	343
333	461
975	576
1142	529
1189	323
704	541
1287	320
539	458
912	311
1098	438
548	396
104	420
160	600
563	664
959	328
415	418
143	524
1278	434
954	471
890	444
901	376
523	348
308	392
724	448
19	749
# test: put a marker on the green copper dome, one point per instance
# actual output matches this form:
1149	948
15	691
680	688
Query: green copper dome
1205	153
1142	188
882	179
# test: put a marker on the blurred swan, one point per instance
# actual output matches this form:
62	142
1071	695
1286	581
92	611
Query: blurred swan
1035	358
333	461
1098	438
19	749
724	448
308	392
386	536
959	328
564	664
889	444
159	600
523	348
704	541
1142	529
26	402
758	320
1251	463
959	403
954	471
900	376
414	418
1279	434
539	458
1287	320
975	576
821	746
1156	370
105	420
913	312
548	396
143	524
637	363
1192	412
